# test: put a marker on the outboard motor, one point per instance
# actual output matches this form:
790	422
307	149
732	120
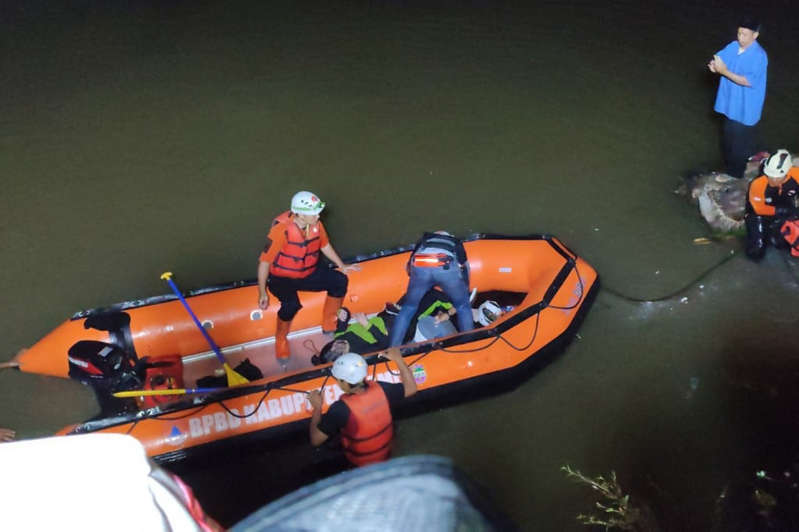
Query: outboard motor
118	326
106	368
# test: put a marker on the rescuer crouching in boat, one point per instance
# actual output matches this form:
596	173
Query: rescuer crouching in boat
772	208
438	259
290	262
362	415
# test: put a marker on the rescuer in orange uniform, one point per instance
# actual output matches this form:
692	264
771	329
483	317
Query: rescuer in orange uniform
772	207
362	415
290	262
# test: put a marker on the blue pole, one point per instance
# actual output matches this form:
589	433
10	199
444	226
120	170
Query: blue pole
167	276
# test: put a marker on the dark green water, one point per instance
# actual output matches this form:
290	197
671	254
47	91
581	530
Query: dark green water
140	137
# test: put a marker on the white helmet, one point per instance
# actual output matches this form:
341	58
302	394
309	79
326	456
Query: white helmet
487	312
777	165
350	368
305	202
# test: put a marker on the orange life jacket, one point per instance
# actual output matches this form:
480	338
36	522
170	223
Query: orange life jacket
367	436
298	257
790	230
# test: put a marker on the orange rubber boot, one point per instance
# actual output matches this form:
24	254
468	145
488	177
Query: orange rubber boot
282	351
329	318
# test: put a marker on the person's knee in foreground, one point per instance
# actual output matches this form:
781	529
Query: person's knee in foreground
742	66
771	207
290	262
438	259
362	415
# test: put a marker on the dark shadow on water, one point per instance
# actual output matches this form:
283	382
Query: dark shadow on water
697	466
231	485
762	401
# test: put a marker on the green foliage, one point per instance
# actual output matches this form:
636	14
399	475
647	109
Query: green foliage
615	510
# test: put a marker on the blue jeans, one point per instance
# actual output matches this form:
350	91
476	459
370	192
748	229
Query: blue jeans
423	279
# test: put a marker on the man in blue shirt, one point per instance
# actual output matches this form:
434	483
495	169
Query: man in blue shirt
742	66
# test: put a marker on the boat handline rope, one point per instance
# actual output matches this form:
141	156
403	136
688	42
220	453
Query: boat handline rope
677	292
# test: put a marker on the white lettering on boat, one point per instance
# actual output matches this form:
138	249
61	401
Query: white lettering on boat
267	410
216	422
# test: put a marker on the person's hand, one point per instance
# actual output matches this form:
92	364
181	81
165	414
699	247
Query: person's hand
440	316
392	353
7	435
719	65
263	301
350	268
360	317
711	65
315	398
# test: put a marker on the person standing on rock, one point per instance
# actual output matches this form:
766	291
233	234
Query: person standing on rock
742	66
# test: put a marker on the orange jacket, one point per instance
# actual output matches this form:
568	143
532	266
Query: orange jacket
367	436
292	253
790	230
763	199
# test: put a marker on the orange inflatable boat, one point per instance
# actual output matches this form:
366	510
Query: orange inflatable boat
549	287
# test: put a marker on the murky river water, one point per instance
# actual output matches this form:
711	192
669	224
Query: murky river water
144	136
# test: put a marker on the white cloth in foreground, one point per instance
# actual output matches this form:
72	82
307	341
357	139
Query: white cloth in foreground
91	482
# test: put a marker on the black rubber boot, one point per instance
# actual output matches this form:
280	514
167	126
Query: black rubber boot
755	236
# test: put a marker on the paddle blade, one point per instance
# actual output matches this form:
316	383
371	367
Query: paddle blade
168	391
234	378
